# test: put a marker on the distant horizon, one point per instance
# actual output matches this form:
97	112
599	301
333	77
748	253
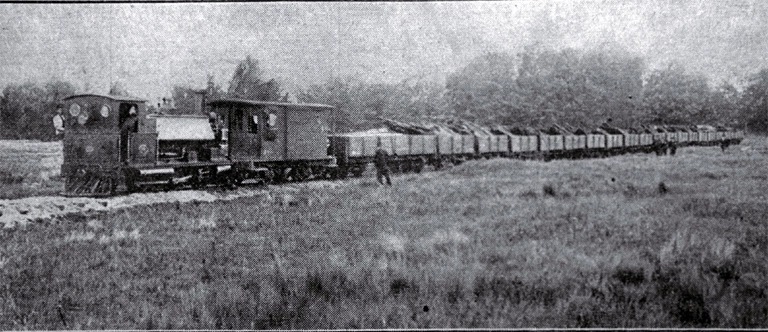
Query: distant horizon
149	48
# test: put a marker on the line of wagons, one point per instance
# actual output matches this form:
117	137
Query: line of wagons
114	144
412	152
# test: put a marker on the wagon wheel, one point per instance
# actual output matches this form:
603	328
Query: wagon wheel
279	174
300	173
418	165
404	166
324	173
357	170
438	164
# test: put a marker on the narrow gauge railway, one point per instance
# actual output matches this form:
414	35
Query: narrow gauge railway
113	145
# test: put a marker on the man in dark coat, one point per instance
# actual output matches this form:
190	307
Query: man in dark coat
381	160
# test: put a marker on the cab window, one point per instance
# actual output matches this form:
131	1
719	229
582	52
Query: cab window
253	124
128	112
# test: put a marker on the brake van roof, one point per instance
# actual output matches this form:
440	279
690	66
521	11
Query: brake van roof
115	98
248	102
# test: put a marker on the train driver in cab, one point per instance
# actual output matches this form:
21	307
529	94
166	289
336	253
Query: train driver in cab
216	125
131	123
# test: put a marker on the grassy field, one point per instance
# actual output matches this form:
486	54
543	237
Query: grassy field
628	241
30	168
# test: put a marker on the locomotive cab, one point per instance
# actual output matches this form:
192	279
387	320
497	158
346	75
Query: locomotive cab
97	141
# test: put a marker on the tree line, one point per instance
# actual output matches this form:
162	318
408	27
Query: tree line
537	87
540	87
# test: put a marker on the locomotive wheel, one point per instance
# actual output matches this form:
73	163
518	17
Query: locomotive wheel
300	173
237	178
229	183
281	175
197	183
170	185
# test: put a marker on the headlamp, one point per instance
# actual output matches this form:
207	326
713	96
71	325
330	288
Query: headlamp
104	111
74	110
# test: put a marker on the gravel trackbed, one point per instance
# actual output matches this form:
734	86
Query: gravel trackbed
19	212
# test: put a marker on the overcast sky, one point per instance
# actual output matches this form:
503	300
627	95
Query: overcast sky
151	47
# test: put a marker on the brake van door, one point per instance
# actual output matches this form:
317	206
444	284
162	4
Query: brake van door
244	139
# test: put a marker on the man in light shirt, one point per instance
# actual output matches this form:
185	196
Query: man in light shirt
58	124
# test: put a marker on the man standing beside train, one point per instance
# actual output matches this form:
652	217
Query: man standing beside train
381	161
58	124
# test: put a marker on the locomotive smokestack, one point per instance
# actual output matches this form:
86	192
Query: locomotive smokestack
200	101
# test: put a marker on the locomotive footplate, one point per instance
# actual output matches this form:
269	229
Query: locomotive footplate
170	175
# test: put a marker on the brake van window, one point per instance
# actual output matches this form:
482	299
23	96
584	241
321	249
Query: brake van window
270	121
237	120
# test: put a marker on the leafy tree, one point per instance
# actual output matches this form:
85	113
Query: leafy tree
485	89
611	87
184	99
26	110
213	90
57	90
417	100
248	83
673	96
755	102
540	86
338	92
723	106
361	105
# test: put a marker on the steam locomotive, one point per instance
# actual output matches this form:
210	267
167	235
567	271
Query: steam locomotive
114	145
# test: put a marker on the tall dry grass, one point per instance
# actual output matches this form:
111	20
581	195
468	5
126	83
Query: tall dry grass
499	243
30	168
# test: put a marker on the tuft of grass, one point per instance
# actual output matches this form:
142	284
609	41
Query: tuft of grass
548	190
662	188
